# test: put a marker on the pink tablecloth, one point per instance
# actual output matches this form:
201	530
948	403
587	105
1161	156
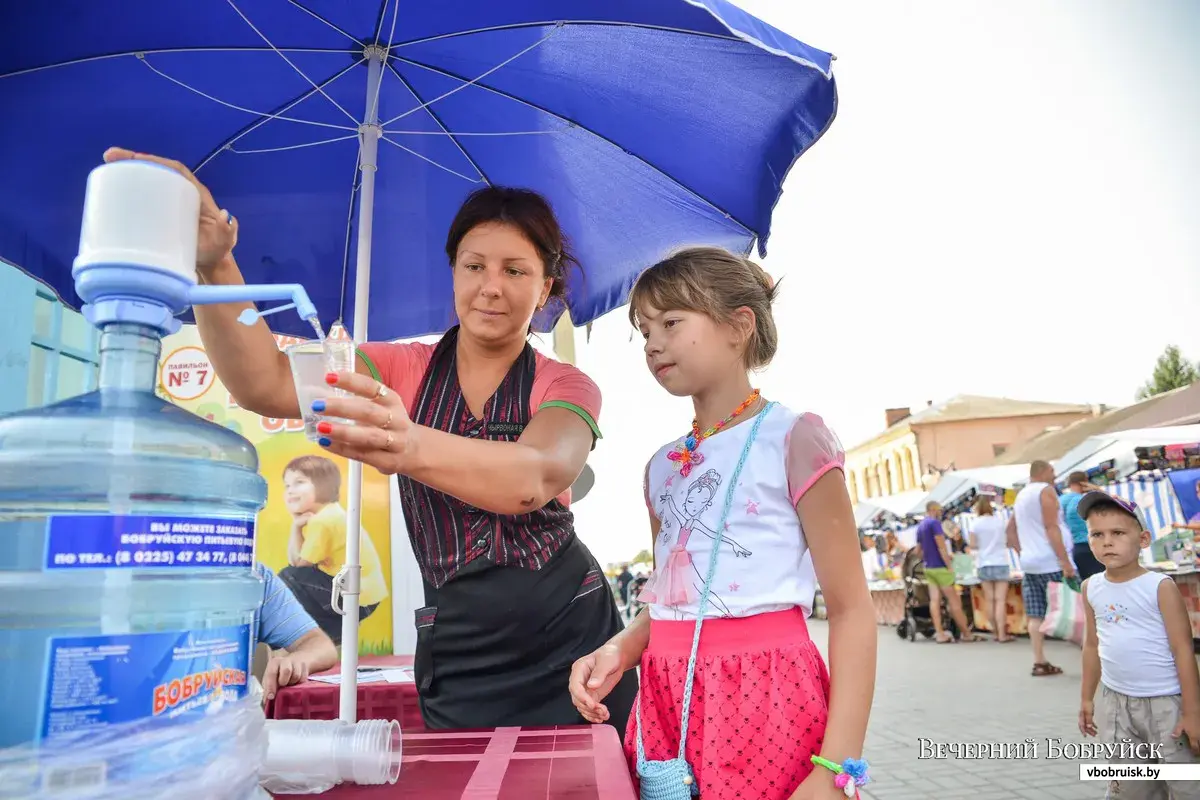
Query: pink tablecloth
565	763
317	700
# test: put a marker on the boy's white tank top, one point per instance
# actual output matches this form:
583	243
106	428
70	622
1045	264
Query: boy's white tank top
1135	656
761	566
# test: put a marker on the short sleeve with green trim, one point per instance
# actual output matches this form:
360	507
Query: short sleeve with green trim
400	367
559	385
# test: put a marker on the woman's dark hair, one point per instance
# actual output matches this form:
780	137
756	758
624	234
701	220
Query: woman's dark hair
525	210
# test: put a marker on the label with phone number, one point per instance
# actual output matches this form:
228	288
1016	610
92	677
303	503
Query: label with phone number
104	541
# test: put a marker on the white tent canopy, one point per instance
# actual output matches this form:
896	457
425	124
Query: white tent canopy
1118	446
957	483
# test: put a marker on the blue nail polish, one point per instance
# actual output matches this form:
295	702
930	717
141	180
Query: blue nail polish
318	406
323	442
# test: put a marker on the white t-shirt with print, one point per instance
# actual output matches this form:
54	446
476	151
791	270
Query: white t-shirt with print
761	566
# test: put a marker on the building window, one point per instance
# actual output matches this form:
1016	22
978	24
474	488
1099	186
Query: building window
47	352
63	357
999	450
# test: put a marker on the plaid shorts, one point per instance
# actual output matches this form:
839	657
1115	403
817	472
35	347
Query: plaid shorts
1033	592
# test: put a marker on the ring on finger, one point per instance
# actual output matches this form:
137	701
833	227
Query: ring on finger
382	393
388	444
388	423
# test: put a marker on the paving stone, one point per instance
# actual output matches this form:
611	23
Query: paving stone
981	693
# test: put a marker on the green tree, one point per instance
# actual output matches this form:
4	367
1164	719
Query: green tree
643	557
1171	371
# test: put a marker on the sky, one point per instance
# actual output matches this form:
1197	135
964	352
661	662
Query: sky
1006	205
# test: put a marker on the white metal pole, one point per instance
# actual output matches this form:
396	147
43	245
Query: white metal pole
369	133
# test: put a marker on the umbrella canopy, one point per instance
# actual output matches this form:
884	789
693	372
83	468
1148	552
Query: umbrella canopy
648	124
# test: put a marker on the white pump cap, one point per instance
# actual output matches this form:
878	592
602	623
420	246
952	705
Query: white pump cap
138	213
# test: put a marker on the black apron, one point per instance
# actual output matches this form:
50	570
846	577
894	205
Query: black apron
495	642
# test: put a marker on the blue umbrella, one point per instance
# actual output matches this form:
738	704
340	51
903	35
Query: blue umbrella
344	135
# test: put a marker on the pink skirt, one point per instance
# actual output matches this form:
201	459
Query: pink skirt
759	704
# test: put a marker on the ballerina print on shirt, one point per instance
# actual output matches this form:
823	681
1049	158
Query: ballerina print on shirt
680	581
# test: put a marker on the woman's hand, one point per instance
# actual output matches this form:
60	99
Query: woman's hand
382	435
592	678
218	231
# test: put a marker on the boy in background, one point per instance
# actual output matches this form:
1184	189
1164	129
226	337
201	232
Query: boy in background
1139	646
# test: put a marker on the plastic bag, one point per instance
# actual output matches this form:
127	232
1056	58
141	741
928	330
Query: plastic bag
1065	613
216	754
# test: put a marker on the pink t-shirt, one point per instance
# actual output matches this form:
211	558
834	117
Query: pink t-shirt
402	367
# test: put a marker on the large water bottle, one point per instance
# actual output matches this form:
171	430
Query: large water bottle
127	582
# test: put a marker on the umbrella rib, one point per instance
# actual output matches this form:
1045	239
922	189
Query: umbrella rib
465	82
373	113
282	148
349	234
543	23
439	122
164	50
701	198
321	19
381	16
299	71
429	160
218	101
265	118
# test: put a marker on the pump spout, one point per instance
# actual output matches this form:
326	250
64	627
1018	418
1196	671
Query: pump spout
209	295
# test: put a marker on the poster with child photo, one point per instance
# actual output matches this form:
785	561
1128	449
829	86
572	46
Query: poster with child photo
301	533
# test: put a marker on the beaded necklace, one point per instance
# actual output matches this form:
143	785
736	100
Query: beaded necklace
685	454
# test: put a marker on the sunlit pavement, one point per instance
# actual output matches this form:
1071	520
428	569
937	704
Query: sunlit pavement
958	693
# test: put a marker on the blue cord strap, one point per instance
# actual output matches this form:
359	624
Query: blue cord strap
666	780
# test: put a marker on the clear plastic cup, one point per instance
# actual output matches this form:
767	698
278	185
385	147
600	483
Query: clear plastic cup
310	362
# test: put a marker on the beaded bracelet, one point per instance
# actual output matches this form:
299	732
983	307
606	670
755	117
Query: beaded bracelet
849	775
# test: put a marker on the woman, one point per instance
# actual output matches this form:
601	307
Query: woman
485	461
990	543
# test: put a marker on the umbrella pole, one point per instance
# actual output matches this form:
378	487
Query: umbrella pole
369	134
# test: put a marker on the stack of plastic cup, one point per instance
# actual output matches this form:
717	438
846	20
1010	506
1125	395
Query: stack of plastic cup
311	756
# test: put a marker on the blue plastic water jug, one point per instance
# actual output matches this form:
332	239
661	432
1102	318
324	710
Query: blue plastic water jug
127	583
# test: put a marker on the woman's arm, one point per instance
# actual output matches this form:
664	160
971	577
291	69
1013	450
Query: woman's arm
827	518
505	477
501	477
254	370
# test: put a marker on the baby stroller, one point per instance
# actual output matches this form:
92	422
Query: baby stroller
917	616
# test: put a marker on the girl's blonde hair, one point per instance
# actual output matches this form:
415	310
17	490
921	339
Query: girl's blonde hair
714	282
983	505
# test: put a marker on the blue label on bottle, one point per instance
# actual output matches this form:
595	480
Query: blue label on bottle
113	542
107	680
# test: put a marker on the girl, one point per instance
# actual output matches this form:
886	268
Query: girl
312	486
770	481
991	551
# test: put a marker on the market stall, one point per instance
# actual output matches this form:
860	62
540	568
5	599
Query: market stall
1167	489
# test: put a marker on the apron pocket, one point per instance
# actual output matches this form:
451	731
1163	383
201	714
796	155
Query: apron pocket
423	659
